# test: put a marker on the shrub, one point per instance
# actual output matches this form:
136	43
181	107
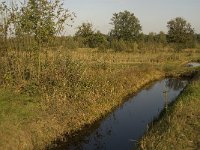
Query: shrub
119	45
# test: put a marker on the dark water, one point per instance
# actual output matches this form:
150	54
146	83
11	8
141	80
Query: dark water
125	126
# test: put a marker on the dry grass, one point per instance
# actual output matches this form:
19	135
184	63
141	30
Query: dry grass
75	88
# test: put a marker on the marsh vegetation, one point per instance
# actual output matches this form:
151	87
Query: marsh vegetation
123	128
52	84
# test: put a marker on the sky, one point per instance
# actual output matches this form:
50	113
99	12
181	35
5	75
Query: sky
153	14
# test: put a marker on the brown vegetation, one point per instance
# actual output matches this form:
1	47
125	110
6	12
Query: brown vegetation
73	89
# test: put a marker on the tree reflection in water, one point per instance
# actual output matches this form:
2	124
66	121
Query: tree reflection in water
175	84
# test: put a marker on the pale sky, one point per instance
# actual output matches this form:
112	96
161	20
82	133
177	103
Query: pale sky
153	14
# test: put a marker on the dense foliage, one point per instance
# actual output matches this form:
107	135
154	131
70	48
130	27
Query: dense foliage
41	23
89	37
126	26
180	32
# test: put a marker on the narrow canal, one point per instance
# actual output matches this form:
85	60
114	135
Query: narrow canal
122	129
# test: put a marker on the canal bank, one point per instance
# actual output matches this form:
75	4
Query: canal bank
107	91
82	135
123	128
179	127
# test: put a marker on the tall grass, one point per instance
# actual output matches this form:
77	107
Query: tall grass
54	87
75	88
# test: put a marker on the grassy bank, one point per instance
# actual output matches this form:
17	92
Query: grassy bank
179	128
44	96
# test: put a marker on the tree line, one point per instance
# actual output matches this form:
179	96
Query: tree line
127	29
40	23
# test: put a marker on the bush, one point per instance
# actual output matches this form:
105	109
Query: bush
119	45
71	43
132	46
21	70
103	47
128	46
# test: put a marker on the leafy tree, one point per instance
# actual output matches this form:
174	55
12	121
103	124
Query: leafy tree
126	26
84	33
5	22
151	38
42	19
162	38
4	19
141	38
180	32
97	39
198	37
89	36
85	30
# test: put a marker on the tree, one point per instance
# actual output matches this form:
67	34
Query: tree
84	33
5	22
151	38
97	39
162	38
85	30
180	32
89	36
126	26
42	19
198	37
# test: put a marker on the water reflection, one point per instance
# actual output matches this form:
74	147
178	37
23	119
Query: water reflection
193	64
121	129
175	84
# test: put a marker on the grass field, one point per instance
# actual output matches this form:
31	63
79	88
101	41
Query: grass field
179	128
71	89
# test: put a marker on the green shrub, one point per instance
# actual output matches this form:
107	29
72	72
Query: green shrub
119	45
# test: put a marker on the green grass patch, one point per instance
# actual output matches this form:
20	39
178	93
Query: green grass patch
16	107
17	111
